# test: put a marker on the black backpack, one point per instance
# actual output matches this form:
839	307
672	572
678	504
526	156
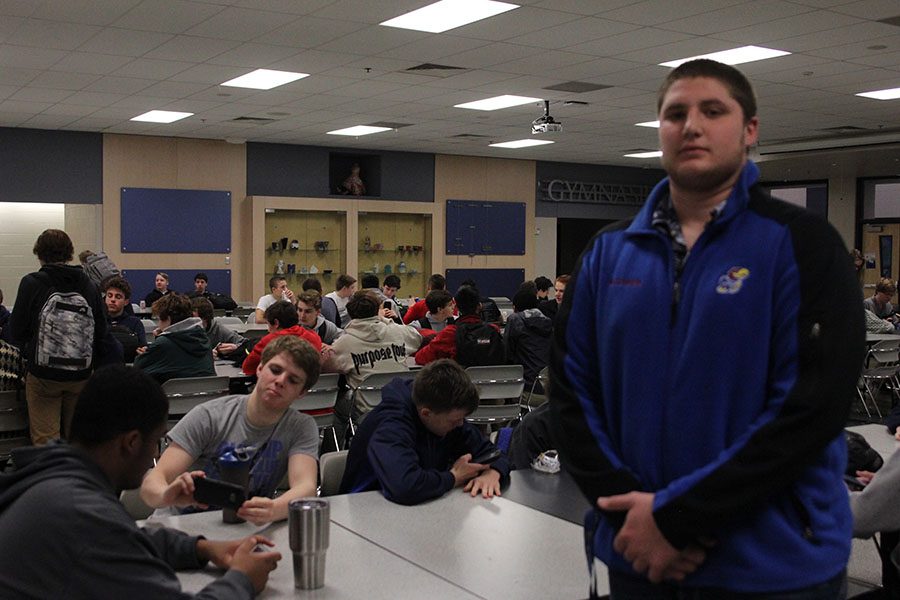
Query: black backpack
128	339
99	267
478	345
222	302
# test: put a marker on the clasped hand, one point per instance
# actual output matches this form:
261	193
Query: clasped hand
643	545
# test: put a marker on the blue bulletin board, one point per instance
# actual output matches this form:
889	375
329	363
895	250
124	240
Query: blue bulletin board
182	221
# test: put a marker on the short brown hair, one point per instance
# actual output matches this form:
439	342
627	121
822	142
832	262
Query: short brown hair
363	304
311	298
118	282
886	286
53	246
344	281
173	307
273	281
283	312
738	85
301	352
203	307
442	386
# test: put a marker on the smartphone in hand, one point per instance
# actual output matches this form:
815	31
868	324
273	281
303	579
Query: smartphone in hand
486	458
219	493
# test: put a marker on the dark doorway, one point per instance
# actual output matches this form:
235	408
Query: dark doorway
572	235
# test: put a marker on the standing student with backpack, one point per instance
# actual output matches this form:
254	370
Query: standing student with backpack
58	319
469	341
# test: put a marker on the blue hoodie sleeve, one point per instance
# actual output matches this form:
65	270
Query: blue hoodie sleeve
392	454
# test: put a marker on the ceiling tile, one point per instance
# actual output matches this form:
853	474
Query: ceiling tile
92	12
373	40
759	13
191	49
119	85
310	32
28	58
125	42
36	94
166	16
572	33
51	34
91	63
240	24
152	69
252	56
60	80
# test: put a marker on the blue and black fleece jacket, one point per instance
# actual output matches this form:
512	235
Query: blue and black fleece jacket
724	392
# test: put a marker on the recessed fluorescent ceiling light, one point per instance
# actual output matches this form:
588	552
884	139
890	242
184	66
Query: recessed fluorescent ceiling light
521	143
448	14
648	124
654	154
161	116
358	130
891	94
735	56
264	79
497	102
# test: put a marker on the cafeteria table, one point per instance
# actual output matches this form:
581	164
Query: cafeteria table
455	546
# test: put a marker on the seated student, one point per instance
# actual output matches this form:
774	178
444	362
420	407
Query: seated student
875	510
420	309
219	301
284	440
181	348
311	283
542	287
161	282
334	304
278	291
225	342
389	288
63	531
469	340
283	320
440	311
370	283
127	329
527	337
371	343
490	312
309	306
880	302
416	444
874	324
551	306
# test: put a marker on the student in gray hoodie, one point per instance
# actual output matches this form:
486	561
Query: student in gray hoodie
63	531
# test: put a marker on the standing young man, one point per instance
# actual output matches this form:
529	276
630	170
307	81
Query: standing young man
59	320
281	440
705	357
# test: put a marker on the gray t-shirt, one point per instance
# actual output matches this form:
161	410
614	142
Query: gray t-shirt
219	425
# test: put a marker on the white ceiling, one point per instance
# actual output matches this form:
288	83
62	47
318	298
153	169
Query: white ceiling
91	65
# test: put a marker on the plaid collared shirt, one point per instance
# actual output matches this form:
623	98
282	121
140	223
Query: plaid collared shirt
665	220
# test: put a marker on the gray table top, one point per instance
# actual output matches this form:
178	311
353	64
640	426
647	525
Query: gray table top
878	437
355	567
554	494
495	549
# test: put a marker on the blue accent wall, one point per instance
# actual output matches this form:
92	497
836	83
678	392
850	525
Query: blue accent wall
37	165
143	281
303	171
490	282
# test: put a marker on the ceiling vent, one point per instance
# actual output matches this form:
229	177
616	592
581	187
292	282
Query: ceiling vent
389	124
577	87
467	136
860	139
895	21
434	70
252	120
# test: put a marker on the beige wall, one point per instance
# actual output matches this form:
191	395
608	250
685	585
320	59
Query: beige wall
479	178
841	169
154	162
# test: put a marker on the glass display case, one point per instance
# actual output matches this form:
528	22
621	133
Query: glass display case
396	244
306	243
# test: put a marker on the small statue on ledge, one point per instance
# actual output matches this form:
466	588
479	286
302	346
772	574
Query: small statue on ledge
353	184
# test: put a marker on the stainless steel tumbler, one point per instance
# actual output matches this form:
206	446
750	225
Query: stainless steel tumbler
309	521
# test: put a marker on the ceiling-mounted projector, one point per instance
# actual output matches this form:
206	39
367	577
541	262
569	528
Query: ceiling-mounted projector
546	123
